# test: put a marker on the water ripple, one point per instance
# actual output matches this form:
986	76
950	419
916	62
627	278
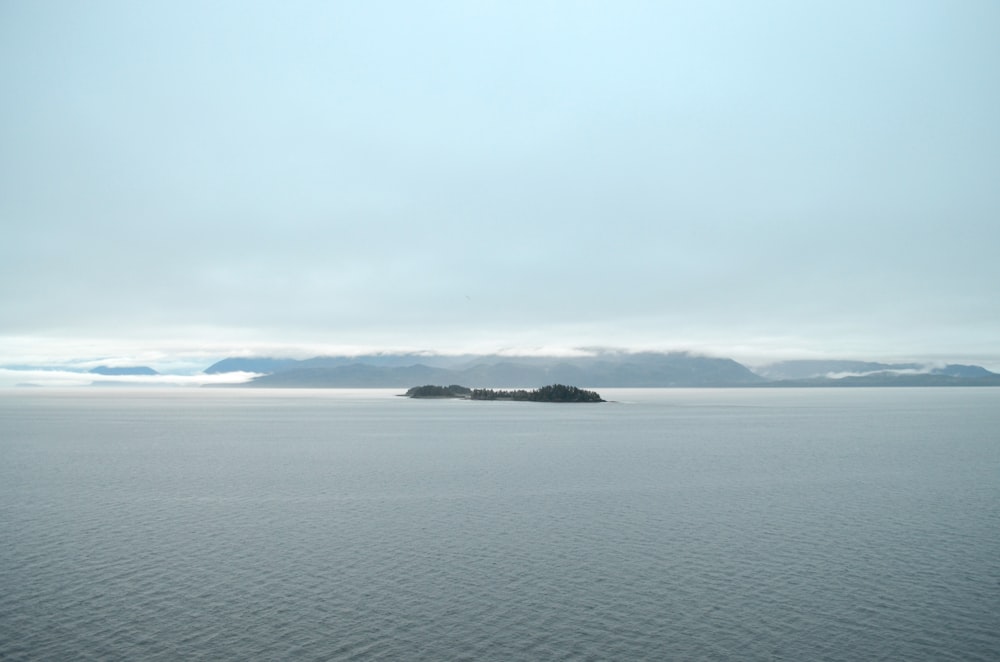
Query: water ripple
356	530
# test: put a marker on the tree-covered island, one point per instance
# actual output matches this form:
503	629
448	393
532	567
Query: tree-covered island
552	393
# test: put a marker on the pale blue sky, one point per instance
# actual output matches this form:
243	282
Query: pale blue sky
755	180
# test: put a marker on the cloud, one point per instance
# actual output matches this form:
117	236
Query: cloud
656	177
65	378
841	375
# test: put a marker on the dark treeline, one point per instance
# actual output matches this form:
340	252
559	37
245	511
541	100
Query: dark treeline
553	393
431	391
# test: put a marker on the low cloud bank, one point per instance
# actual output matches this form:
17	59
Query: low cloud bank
10	378
926	370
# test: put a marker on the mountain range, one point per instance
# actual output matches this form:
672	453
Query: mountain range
602	369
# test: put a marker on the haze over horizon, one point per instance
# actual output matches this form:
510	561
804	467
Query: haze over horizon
180	182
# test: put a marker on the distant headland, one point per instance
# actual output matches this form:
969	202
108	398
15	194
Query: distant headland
551	393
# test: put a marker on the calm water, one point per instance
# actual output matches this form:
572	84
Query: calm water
838	524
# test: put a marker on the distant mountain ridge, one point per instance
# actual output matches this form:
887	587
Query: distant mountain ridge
612	369
839	369
602	369
268	365
867	373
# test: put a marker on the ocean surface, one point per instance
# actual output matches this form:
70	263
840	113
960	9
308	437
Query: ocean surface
716	524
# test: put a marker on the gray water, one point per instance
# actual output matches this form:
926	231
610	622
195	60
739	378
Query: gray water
841	524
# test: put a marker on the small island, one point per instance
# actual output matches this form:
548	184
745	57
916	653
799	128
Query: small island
552	393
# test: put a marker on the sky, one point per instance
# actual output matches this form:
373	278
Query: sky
184	181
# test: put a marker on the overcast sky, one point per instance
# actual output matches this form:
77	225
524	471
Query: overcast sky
751	179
